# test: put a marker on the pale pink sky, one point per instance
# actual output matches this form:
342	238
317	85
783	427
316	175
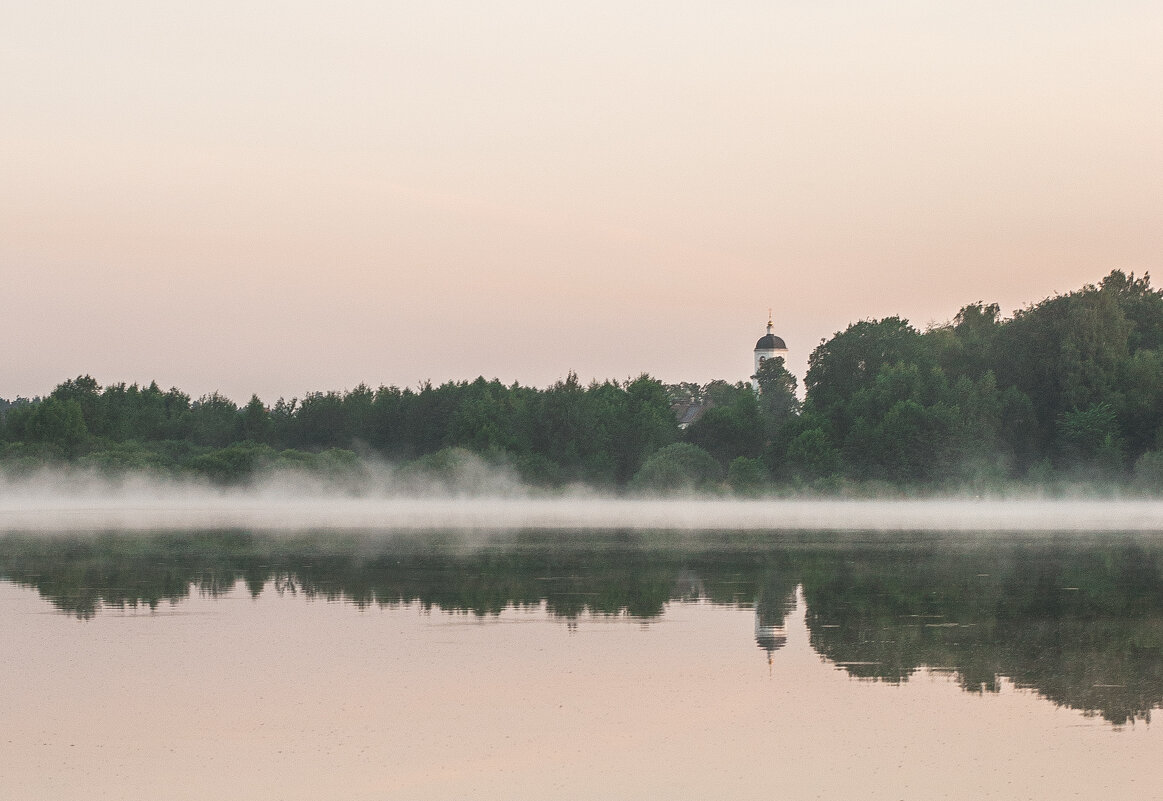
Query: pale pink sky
283	197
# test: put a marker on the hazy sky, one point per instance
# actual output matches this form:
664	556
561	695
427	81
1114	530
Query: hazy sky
281	197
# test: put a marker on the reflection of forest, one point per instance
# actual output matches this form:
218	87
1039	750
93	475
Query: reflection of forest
1080	621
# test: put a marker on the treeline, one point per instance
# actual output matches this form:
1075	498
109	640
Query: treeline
1064	393
598	434
1069	390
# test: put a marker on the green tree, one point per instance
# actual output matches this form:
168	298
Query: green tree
777	394
731	429
255	422
1065	353
1141	305
86	392
1140	399
213	420
321	421
852	359
678	468
1090	437
644	423
58	424
968	346
812	455
747	476
358	415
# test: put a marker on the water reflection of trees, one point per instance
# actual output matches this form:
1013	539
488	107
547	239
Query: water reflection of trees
1080	622
1082	625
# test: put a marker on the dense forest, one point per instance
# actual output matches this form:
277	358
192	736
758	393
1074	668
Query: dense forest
1066	393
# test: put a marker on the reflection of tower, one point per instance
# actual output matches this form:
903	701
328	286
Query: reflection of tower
770	637
772	605
768	347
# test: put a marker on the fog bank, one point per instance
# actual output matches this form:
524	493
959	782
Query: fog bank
79	502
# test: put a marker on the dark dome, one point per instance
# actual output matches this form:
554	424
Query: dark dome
770	640
770	342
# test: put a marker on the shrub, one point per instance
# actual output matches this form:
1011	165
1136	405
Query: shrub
677	468
747	476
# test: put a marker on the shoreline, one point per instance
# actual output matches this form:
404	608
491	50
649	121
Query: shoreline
189	511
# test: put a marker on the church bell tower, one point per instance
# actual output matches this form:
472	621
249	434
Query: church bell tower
768	347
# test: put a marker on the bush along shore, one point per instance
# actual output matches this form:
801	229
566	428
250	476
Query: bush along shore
1066	395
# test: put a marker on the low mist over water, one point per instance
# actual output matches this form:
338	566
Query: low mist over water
75	501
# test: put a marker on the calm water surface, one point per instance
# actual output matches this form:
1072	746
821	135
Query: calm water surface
584	665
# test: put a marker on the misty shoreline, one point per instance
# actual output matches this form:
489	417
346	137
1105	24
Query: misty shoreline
195	509
476	496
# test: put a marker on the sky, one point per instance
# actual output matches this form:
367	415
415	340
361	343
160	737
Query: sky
277	198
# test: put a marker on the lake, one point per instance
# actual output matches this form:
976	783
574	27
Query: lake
580	664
